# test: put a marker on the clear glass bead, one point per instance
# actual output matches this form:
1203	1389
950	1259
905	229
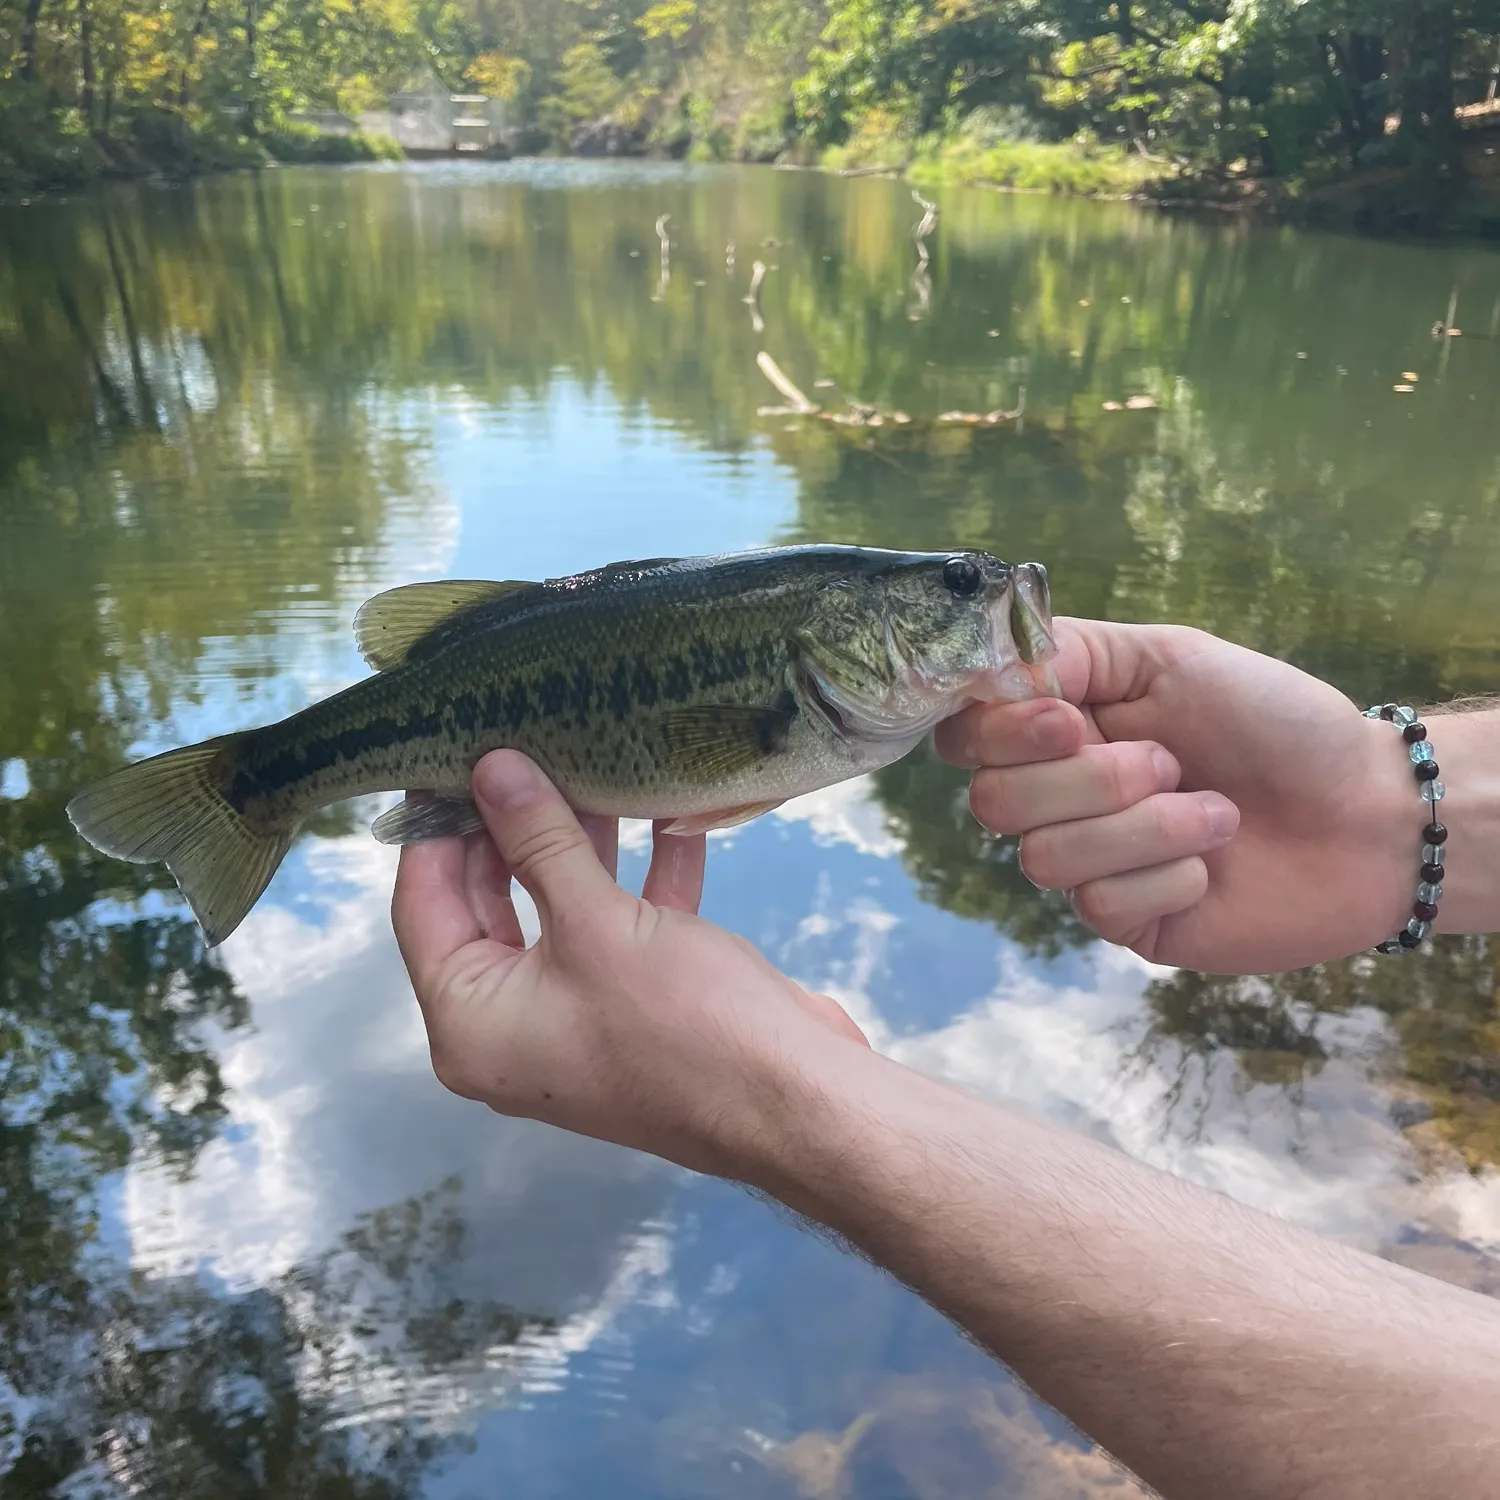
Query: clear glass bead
1432	854
1389	946
1418	928
1421	751
1430	893
1405	716
1433	791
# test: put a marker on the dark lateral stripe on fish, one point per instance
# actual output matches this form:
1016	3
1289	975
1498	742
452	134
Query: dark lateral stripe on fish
630	685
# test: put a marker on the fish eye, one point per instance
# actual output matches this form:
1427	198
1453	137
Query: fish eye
962	577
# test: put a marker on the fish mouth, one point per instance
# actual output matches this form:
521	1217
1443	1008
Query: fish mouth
1023	638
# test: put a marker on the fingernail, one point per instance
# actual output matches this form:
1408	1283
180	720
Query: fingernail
1048	729
1223	815
1165	765
505	778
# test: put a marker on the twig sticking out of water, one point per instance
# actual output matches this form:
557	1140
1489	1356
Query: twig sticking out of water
666	256
752	297
924	226
1447	332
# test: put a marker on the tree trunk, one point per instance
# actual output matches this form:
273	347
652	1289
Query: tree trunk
190	54
251	125
1355	68
86	63
1429	126
28	38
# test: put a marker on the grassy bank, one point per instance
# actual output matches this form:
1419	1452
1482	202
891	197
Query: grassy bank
1381	201
984	154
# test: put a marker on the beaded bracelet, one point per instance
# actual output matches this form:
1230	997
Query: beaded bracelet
1434	835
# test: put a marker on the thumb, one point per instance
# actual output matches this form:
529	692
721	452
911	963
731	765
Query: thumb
539	837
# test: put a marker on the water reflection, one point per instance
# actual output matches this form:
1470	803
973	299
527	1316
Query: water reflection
251	1247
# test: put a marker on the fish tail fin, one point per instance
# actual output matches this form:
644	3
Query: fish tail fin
173	808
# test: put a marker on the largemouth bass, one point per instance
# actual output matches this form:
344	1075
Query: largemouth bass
702	690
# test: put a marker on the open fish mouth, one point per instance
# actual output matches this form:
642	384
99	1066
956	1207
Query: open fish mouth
1023	639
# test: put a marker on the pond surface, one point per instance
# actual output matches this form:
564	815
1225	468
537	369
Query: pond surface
249	1247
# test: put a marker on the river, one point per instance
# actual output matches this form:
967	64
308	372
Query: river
250	1248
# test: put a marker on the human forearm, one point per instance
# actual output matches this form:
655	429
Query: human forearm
1213	1349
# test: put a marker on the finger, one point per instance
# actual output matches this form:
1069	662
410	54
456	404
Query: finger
487	881
1120	907
1011	734
540	838
1163	828
604	835
832	1015
675	878
1103	662
430	909
1098	780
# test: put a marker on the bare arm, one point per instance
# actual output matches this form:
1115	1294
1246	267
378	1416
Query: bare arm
1212	1348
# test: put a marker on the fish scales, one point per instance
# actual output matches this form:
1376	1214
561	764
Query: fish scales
544	675
701	690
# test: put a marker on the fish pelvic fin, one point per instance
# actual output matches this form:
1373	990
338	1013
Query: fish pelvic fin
172	809
427	816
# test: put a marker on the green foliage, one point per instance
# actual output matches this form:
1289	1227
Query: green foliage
302	143
1213	94
1227	90
587	88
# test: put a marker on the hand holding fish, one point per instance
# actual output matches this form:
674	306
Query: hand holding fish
629	1019
1117	1292
1218	809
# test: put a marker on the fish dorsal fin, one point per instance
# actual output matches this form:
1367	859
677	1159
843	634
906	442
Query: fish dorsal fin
389	625
713	741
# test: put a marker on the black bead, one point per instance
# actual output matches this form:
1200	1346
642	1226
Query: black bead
1406	939
1388	711
1414	732
1432	874
1435	833
1424	911
1426	770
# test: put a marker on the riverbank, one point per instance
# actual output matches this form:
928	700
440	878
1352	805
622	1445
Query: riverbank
39	160
1382	201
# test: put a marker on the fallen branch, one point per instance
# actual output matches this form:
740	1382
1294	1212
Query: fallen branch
800	404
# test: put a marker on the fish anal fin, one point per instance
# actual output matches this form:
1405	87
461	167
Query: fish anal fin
425	816
724	817
172	809
717	740
388	626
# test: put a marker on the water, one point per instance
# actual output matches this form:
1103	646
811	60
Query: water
250	1247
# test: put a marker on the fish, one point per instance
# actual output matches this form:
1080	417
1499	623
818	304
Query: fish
704	691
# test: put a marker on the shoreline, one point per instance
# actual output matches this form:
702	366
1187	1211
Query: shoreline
1367	206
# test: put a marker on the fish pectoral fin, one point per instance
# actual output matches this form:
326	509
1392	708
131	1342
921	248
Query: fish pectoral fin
724	817
387	627
719	739
425	815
